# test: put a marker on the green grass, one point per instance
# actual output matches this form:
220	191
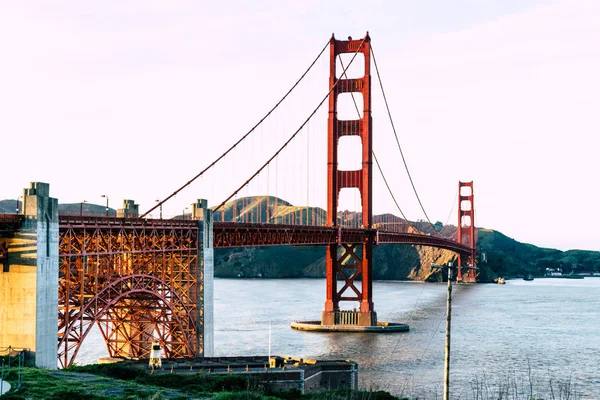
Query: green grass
58	385
39	384
114	381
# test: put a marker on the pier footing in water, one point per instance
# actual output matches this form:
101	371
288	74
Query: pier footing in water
382	327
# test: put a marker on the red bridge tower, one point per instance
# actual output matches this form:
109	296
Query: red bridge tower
466	230
349	261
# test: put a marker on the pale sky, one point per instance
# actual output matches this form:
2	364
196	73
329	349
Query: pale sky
133	98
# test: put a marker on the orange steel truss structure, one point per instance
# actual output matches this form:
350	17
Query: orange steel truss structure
138	280
353	259
467	232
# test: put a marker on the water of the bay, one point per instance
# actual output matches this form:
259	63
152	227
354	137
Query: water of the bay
548	329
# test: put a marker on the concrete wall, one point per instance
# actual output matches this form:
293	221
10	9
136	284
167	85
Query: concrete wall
29	289
205	279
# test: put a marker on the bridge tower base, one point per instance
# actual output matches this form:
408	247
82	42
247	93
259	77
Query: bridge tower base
29	280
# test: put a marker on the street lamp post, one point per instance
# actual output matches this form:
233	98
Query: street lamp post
81	207
106	203
17	211
160	208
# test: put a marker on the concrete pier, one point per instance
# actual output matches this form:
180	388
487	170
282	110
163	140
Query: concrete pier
349	321
29	281
205	279
381	327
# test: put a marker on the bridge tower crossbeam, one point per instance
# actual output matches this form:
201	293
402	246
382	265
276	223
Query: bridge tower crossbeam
350	261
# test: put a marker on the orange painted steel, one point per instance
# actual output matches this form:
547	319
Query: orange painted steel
466	233
356	257
138	280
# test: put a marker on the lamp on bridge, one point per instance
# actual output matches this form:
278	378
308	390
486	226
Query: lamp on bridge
159	207
17	211
81	207
106	203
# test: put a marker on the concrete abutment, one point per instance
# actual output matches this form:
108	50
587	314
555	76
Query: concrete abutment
29	281
205	279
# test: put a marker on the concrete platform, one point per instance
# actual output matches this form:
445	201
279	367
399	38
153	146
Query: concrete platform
382	327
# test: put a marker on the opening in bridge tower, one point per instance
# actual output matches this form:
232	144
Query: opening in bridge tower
466	230
348	262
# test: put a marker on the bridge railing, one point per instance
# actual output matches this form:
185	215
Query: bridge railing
89	221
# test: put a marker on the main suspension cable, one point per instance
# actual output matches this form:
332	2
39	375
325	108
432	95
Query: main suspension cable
294	135
375	158
242	138
398	142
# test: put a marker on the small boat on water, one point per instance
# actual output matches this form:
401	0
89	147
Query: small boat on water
500	280
528	277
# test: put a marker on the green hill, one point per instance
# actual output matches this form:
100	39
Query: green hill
503	256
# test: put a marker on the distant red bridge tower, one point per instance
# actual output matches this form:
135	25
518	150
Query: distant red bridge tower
466	230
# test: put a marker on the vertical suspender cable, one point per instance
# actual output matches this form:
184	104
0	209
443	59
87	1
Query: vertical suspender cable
243	137
295	133
375	158
398	141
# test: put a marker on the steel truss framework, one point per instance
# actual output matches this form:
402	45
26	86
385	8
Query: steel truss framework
138	280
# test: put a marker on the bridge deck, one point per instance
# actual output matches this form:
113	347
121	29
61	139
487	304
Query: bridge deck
233	234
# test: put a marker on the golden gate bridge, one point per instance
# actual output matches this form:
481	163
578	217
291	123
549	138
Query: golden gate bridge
141	279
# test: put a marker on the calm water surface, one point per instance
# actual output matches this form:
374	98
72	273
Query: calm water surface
499	332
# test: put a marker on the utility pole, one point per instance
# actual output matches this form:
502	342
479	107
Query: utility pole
448	326
448	330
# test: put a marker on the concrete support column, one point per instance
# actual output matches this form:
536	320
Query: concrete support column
205	278
29	283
